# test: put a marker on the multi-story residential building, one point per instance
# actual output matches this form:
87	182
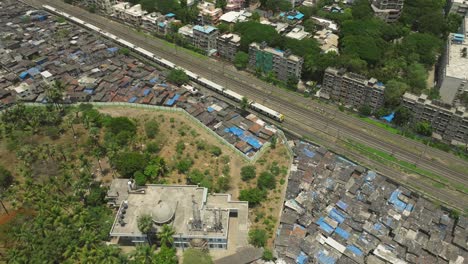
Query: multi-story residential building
209	13
104	5
449	124
352	89
228	45
298	33
453	70
129	14
459	7
282	63
205	37
328	40
388	10
199	218
158	23
234	5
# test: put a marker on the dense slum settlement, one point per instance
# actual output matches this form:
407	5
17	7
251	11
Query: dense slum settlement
37	48
339	212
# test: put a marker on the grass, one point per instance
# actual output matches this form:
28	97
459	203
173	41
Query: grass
386	158
380	124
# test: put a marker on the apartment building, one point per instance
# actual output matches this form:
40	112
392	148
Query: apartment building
104	5
228	45
449	124
129	14
453	70
209	13
283	63
352	89
158	23
387	10
205	38
234	5
459	7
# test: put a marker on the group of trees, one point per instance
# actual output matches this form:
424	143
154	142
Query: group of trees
265	182
186	14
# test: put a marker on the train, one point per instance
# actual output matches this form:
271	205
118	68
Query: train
168	64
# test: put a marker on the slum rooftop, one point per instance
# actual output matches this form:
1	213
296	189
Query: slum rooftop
37	49
336	211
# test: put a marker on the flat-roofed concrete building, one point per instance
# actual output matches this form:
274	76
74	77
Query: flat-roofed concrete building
449	124
228	45
198	218
453	74
459	7
205	38
104	5
209	13
352	89
387	10
128	13
283	63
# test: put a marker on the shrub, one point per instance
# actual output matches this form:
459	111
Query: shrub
248	172
258	237
215	151
184	165
254	196
180	147
152	147
267	255
151	129
140	178
127	163
6	179
266	181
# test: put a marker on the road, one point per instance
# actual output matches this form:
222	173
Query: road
304	116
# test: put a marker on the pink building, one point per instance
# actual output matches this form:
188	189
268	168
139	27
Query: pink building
234	5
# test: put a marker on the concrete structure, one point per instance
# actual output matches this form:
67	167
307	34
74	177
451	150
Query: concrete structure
158	23
453	75
352	89
328	40
282	63
129	14
209	13
204	37
459	7
298	33
198	218
228	45
234	5
449	124
388	10
233	17
104	5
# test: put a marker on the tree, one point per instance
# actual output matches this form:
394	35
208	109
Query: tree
140	178
267	255
255	16
361	10
145	224
151	128
241	60
223	183
124	51
221	4
393	92
402	116
115	125
291	82
166	255
184	165
416	77
216	151
365	110
244	103
166	235
177	76
254	196
127	163
258	237
266	181
143	253
423	128
248	172
6	179
223	27
196	256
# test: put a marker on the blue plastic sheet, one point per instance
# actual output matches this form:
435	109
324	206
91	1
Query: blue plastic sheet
337	216
309	153
324	226
342	205
355	250
342	233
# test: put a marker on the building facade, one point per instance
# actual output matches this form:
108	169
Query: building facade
209	13
459	7
129	14
205	37
228	45
352	89
387	10
282	63
449	124
199	219
104	5
234	5
453	70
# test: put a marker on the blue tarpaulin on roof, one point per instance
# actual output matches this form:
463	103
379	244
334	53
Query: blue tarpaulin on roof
161	24
112	50
371	175
23	75
153	81
302	258
34	71
355	250
133	99
290	17
135	87
309	153
389	117
170	15
210	109
173	100
342	233
323	258
337	216
163	84
88	91
342	205
397	203
146	92
324	226
236	131
299	15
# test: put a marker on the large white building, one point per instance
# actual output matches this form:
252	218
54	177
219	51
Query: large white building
453	76
199	219
128	13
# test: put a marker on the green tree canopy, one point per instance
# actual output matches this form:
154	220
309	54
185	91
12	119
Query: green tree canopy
145	223
241	60
258	237
127	163
248	172
393	91
6	179
266	181
177	76
254	196
423	128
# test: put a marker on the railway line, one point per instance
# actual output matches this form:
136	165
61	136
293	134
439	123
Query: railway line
334	124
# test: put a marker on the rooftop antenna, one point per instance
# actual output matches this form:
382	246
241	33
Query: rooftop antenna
197	222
